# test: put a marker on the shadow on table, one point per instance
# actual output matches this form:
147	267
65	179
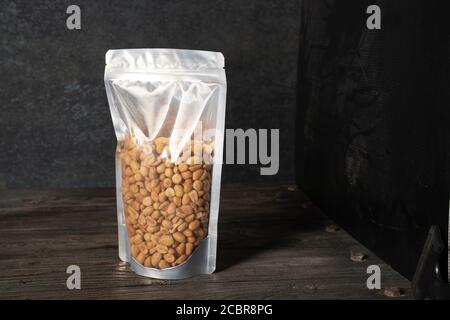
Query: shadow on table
263	223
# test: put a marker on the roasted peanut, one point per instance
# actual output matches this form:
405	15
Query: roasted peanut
197	174
178	190
186	209
177	201
182	227
179	237
166	240
141	257
162	248
169	257
198	185
180	248
165	203
176	178
156	257
187	185
186	175
189	248
194	225
181	259
137	239
193	195
170	192
171	208
186	199
187	233
167	183
143	248
148	262
163	264
134	250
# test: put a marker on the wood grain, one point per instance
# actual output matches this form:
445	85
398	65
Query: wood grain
270	247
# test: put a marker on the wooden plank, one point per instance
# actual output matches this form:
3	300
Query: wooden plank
270	247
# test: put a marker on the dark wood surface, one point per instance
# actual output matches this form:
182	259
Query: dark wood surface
271	246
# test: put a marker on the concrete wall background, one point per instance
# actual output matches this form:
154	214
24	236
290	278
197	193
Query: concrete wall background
55	127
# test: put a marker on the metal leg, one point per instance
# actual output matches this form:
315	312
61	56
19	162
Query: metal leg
428	282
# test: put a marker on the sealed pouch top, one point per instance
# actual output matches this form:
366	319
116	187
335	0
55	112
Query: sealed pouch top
141	59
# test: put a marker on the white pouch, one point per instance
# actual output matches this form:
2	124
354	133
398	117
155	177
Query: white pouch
168	112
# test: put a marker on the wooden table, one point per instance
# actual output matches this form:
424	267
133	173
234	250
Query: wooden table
272	245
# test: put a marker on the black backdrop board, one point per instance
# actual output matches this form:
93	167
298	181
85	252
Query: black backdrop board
373	137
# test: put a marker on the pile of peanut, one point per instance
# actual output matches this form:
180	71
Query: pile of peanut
165	203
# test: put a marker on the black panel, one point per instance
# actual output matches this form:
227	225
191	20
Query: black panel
373	121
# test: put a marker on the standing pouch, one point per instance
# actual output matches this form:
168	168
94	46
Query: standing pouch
168	112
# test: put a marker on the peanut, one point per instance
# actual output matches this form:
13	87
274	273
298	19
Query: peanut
179	237
163	264
169	257
193	195
189	248
141	257
148	262
165	203
170	192
194	225
182	226
166	240
198	185
185	199
176	179
156	258
178	190
197	174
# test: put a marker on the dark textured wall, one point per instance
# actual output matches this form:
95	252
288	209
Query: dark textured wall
55	127
375	106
